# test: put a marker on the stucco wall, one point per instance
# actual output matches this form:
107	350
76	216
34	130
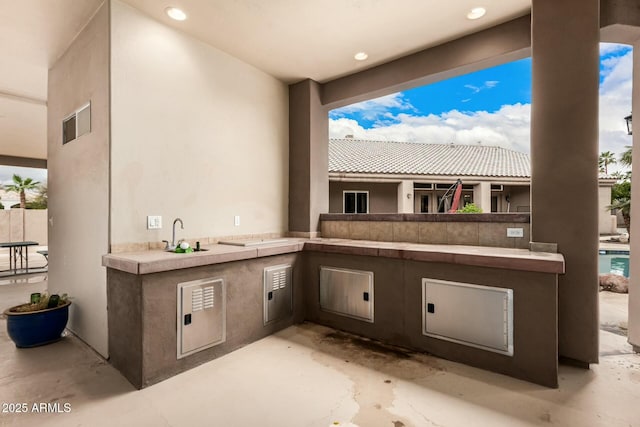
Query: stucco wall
398	311
35	225
383	197
519	197
17	225
78	180
607	223
196	134
143	333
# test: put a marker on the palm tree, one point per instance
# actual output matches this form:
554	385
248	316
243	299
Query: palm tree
607	158
20	186
625	158
40	201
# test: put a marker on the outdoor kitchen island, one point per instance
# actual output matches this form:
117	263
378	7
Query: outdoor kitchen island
403	294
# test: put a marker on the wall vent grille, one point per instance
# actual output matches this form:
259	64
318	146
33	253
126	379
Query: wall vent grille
279	280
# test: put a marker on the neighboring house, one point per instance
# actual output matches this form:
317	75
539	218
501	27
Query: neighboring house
408	177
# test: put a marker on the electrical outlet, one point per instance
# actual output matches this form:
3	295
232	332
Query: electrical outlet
236	220
515	232
154	222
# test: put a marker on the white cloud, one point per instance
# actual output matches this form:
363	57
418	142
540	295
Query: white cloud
608	48
615	103
474	89
6	174
507	127
489	84
375	108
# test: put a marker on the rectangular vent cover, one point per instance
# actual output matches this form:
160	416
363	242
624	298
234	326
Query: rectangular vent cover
474	315
278	303
201	315
347	292
202	298
279	279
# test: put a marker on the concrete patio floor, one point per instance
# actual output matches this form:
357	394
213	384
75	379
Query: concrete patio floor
309	375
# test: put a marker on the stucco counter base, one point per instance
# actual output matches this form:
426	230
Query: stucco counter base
142	305
398	271
142	300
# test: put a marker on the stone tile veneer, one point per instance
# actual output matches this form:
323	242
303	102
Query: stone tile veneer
437	229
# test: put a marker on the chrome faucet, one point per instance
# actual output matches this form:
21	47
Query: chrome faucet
172	246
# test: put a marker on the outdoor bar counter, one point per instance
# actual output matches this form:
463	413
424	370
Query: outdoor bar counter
142	300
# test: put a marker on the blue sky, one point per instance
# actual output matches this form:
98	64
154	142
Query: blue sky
491	106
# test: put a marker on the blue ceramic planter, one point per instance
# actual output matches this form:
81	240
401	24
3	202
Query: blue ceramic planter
37	327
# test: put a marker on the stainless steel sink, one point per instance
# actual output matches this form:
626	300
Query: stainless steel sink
258	242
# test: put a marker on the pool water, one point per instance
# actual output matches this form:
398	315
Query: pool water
615	262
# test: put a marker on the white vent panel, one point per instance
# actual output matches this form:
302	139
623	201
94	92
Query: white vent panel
278	291
201	315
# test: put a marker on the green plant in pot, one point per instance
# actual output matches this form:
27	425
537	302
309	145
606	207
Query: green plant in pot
38	322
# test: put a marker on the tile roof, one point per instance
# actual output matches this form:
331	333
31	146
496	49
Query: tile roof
412	158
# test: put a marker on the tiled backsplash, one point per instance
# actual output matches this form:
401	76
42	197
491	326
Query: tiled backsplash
442	229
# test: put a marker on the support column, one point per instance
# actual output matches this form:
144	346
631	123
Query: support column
482	196
308	158
634	259
565	38
405	197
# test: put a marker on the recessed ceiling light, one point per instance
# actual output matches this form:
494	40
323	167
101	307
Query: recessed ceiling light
476	13
175	13
360	56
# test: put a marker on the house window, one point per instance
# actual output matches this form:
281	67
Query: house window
494	203
355	202
424	203
422	186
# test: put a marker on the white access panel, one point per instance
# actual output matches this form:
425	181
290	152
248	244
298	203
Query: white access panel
201	315
474	315
347	292
278	303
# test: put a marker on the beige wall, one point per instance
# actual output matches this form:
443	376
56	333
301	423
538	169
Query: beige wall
383	197
35	226
78	181
519	197
196	134
607	223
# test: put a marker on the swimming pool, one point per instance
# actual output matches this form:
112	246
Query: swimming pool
613	261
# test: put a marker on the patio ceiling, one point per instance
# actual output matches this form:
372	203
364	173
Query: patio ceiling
289	39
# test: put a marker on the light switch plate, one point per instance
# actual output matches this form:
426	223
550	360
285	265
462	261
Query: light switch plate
515	232
154	222
236	220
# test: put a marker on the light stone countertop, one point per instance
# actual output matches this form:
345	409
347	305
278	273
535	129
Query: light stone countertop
156	261
482	256
505	258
